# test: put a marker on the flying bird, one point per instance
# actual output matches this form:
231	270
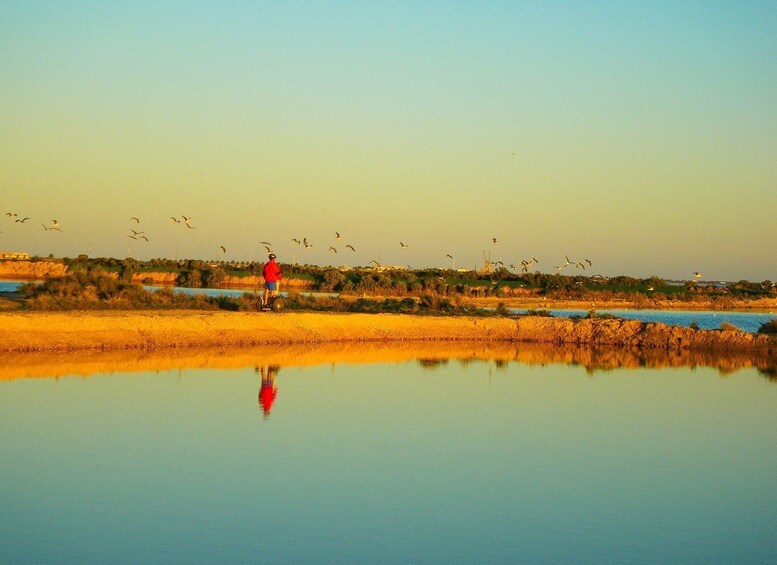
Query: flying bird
21	221
295	240
142	237
136	232
305	242
493	240
587	261
333	249
223	249
132	237
449	256
376	263
351	248
697	275
337	235
191	227
11	214
403	245
136	219
580	266
176	220
267	247
265	243
185	219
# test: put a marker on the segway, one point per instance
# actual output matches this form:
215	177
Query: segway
275	302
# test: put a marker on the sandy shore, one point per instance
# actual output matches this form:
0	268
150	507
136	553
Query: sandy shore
117	330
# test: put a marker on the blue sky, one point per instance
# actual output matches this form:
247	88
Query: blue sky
641	136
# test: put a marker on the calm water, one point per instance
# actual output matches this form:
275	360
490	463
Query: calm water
388	462
706	319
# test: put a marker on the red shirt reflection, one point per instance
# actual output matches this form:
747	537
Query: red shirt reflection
267	395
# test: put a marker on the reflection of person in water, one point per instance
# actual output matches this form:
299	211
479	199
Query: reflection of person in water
268	391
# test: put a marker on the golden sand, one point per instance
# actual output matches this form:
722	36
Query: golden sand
115	330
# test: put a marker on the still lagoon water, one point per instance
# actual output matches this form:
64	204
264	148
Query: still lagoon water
301	456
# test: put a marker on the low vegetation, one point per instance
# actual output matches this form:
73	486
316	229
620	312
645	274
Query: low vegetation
444	284
769	327
500	283
98	290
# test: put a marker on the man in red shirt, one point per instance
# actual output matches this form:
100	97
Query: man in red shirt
272	276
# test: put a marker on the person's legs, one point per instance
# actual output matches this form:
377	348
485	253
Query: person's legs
269	291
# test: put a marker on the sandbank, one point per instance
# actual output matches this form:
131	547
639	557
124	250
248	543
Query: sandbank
117	330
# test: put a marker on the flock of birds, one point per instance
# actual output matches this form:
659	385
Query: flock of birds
524	266
138	235
17	220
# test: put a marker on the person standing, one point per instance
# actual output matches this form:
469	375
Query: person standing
272	277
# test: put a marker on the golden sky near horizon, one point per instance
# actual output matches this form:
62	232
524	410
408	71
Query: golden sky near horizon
641	137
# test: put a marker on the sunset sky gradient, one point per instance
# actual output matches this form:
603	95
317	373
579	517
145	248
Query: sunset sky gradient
642	136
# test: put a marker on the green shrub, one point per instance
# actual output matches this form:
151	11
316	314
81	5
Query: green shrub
502	310
593	314
728	327
540	312
769	327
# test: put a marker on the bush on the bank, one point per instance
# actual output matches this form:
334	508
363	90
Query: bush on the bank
593	314
728	327
540	312
502	310
94	290
769	327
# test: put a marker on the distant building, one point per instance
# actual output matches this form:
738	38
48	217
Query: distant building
14	255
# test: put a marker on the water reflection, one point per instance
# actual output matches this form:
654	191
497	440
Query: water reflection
428	354
415	459
267	391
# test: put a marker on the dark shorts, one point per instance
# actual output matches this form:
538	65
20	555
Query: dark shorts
271	285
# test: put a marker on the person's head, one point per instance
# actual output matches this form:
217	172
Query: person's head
271	256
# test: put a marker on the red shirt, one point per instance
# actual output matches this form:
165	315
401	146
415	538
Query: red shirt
271	272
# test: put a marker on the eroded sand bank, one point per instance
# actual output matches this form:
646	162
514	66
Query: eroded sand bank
116	330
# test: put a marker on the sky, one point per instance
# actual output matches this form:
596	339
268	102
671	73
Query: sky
639	135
